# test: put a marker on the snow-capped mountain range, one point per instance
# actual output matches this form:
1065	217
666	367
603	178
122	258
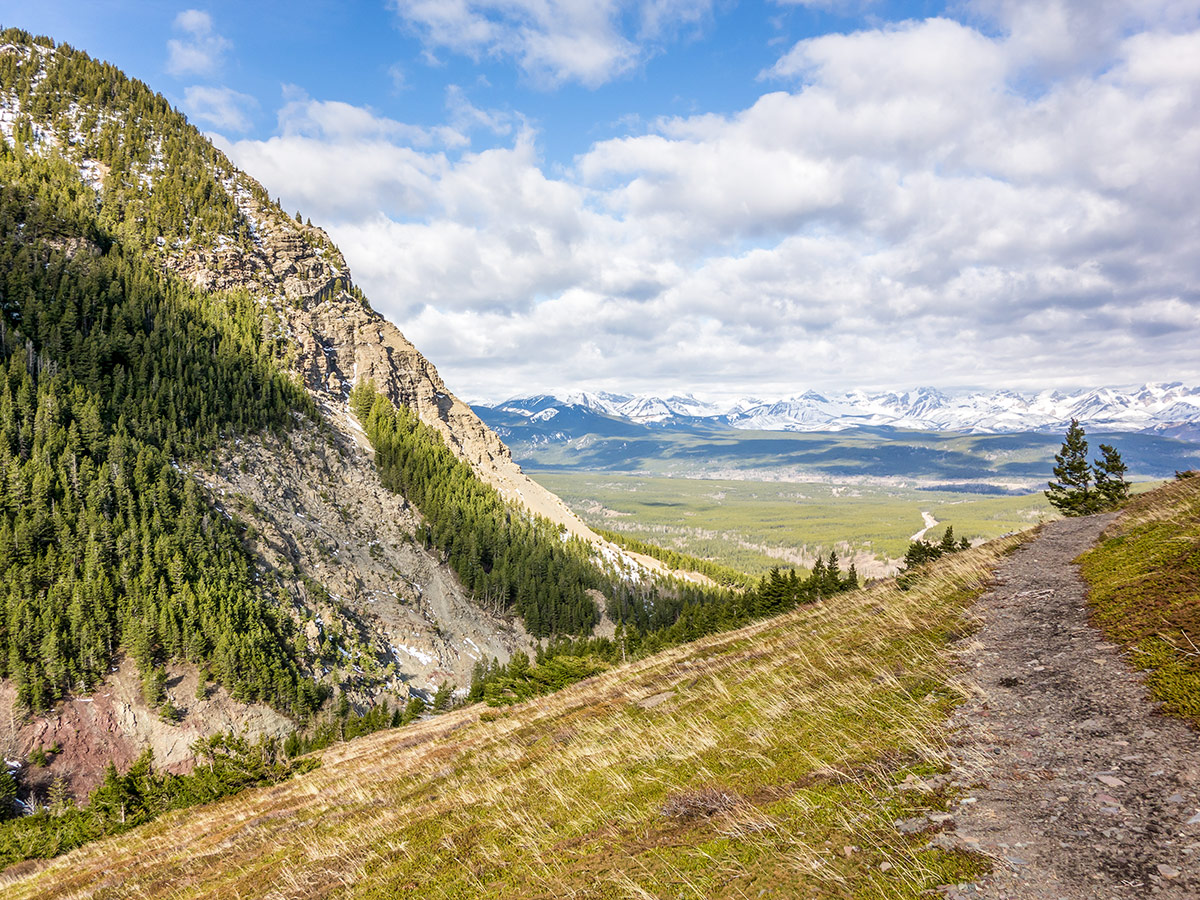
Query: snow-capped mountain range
1170	409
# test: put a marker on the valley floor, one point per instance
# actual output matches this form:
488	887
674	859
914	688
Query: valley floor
754	526
1083	789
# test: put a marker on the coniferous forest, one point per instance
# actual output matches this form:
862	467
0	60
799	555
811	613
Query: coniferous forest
114	376
103	115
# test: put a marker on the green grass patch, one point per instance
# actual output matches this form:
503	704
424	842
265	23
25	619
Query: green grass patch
1144	582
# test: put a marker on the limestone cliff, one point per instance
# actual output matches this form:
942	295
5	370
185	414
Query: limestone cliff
336	340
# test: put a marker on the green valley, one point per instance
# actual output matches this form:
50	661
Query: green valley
755	525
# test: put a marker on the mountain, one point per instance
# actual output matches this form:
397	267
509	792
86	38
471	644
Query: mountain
194	534
1170	409
544	420
846	438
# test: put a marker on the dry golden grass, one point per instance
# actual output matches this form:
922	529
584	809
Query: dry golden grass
772	767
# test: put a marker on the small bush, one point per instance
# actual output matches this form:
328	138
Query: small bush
702	803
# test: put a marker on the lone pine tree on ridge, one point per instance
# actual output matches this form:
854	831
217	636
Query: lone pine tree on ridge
1081	488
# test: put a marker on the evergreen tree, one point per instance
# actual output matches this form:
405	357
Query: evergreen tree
947	545
8	793
1072	493
1111	486
1081	489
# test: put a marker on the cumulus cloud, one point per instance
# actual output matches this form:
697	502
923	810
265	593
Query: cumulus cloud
346	163
1059	38
553	41
220	107
900	208
200	50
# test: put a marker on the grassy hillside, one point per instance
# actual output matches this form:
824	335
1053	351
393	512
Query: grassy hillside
754	525
773	759
1145	591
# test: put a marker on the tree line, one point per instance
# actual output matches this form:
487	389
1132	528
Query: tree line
686	618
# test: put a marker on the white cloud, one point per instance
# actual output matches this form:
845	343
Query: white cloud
1060	38
344	162
464	115
906	211
553	41
936	58
220	107
201	49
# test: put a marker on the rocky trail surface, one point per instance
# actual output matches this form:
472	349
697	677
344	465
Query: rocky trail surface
1077	786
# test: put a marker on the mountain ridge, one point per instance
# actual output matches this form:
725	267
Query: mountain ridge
1167	408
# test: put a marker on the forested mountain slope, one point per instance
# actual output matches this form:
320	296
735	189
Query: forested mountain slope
183	484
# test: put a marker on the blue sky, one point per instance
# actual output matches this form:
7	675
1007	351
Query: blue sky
371	54
719	197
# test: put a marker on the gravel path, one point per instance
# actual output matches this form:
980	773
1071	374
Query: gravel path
1080	789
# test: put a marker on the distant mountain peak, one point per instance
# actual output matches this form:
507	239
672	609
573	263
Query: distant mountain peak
1158	407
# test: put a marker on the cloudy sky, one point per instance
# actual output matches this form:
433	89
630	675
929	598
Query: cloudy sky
716	196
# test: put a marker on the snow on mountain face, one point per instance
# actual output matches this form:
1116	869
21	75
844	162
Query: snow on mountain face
642	409
598	401
1155	407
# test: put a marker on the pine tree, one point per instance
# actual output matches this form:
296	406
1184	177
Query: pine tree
8	793
1072	493
947	545
1081	489
1111	487
59	799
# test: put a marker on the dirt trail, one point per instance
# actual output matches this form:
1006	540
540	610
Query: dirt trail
1081	790
930	522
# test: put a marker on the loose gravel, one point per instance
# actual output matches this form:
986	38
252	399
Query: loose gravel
1076	785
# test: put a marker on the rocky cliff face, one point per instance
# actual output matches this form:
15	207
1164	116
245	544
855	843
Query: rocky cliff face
342	543
336	340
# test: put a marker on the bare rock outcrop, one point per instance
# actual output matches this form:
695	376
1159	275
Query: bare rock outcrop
336	340
114	723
